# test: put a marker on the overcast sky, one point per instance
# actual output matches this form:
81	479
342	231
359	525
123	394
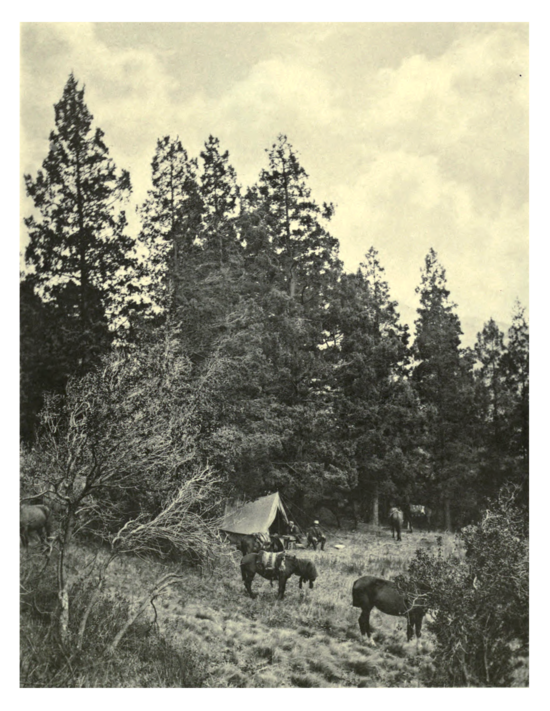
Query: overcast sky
417	132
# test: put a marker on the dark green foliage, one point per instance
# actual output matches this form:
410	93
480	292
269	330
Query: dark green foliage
293	230
80	237
220	194
373	407
442	377
300	377
479	603
489	353
39	349
81	262
171	219
516	368
502	396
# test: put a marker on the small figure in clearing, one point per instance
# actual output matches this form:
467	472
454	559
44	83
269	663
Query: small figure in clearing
315	536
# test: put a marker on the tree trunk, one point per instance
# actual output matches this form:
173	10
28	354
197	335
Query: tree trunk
354	513
148	599
376	506
62	588
447	507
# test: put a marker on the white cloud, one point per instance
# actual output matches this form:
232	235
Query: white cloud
404	204
430	152
468	106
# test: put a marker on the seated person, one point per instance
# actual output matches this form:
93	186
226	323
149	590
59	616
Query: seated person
293	530
315	535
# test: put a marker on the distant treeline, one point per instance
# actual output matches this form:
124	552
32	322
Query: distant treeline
231	310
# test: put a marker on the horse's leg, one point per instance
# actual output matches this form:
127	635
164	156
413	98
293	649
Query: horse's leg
419	616
410	628
311	584
247	580
364	624
41	535
24	537
282	585
300	583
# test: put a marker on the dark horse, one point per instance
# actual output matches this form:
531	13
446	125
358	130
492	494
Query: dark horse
257	542
34	518
284	566
396	522
369	592
417	514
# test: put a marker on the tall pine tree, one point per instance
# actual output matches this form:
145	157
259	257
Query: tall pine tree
220	194
374	406
295	226
442	377
80	259
171	219
516	368
78	245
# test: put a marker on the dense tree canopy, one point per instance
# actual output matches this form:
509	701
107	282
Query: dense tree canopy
291	373
80	257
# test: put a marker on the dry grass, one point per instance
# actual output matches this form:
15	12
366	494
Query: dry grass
310	639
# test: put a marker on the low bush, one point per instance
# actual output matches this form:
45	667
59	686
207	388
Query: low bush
143	659
479	603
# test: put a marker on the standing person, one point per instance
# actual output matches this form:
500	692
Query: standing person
315	535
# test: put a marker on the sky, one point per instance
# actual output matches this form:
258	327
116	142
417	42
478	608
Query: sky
417	132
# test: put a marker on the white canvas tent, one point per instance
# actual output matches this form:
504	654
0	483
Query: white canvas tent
265	515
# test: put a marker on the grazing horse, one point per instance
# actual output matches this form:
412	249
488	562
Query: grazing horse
281	569
419	515
305	569
34	518
396	522
369	592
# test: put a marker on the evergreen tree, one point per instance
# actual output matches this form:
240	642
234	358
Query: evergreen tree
78	250
291	268
516	368
38	365
374	406
489	351
220	194
442	377
293	224
494	403
171	219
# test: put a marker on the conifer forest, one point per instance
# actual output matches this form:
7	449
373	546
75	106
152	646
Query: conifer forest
277	368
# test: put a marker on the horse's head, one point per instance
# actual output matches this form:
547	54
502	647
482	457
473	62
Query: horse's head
280	563
312	571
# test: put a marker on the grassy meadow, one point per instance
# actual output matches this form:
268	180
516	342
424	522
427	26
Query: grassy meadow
310	639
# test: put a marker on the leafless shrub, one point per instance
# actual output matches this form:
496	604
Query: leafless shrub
116	458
